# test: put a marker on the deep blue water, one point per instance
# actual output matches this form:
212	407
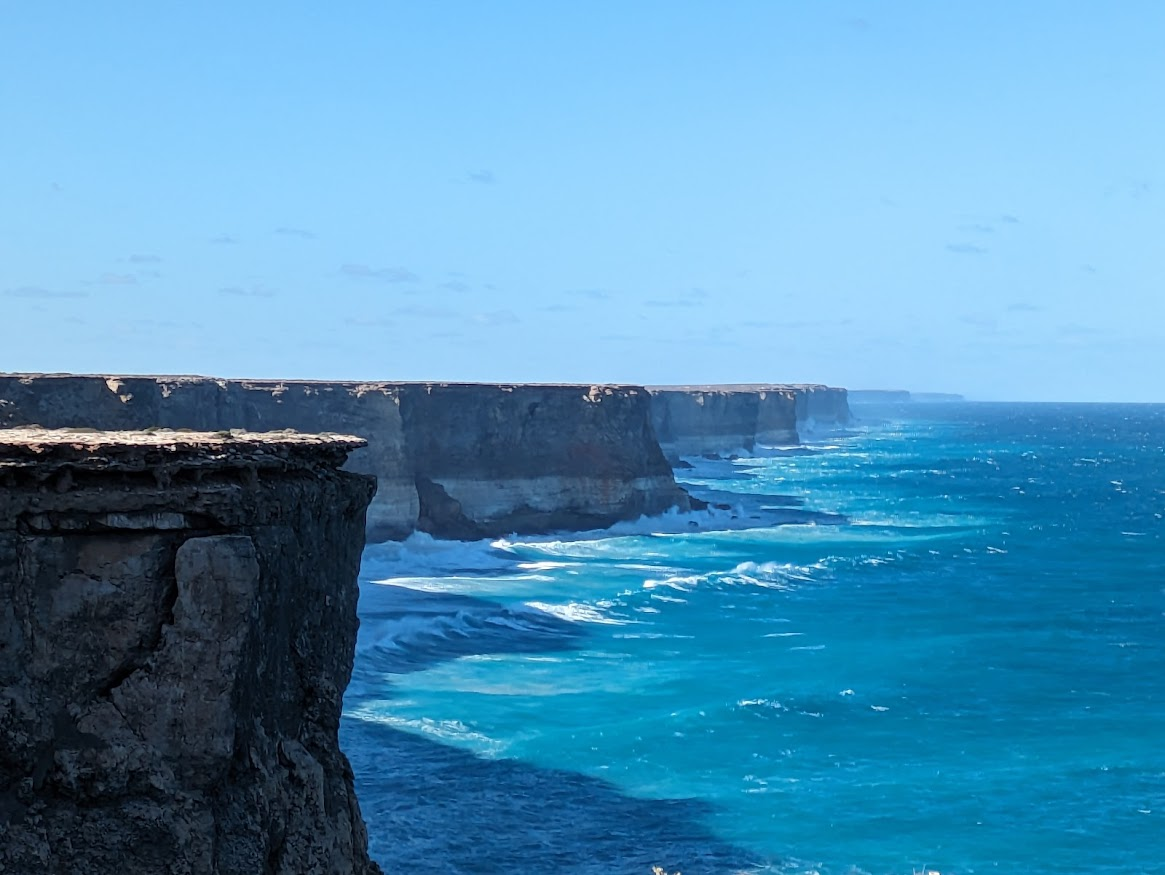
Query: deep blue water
953	659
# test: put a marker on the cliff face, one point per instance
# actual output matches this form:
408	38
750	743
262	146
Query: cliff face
457	460
822	408
693	420
495	459
177	624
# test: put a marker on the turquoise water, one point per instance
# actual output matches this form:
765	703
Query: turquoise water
950	656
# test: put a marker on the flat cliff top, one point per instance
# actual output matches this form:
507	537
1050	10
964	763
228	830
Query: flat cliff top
737	387
92	449
294	381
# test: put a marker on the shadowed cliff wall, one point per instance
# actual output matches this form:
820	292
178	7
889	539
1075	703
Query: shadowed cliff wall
177	625
693	420
457	460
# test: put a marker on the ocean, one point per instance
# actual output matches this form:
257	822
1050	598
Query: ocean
934	642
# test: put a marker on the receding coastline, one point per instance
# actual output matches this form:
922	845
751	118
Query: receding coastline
461	460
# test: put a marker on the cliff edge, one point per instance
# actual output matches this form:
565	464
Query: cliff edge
177	625
457	460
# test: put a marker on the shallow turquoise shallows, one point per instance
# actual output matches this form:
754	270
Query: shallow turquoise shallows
936	642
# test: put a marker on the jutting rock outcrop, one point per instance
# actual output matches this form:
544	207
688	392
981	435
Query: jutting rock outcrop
697	420
455	460
177	625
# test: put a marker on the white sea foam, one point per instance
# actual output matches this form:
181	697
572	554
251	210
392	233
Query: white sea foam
444	730
577	612
761	703
768	575
423	555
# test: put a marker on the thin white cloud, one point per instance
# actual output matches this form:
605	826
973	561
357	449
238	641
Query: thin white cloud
383	274
41	293
301	233
255	290
966	249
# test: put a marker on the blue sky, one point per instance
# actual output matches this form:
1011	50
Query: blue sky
938	196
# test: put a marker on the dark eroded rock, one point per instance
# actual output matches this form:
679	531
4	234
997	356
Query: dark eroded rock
177	624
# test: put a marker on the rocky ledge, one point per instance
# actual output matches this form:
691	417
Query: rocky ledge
456	460
698	420
177	624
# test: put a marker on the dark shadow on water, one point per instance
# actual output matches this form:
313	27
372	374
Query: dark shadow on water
404	630
730	498
762	510
431	807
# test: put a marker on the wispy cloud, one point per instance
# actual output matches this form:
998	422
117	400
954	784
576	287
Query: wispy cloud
980	320
1075	329
256	290
690	298
425	312
153	324
593	294
42	294
482	177
496	317
369	322
383	274
145	258
1023	307
455	286
976	228
966	249
301	233
1009	219
224	240
117	279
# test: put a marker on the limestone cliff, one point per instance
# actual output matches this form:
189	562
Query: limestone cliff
457	460
822	408
694	420
495	459
177	624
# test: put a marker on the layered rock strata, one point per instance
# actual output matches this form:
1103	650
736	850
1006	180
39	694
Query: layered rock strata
698	420
456	460
177	624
